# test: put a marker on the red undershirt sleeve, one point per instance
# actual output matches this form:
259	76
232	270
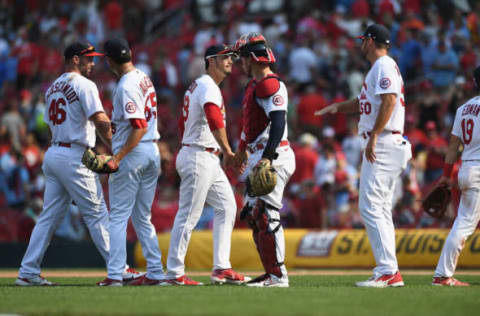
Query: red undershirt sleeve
138	123
214	116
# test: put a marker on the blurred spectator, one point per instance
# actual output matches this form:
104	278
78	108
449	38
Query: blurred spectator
12	124
345	186
72	226
436	149
303	63
14	179
306	158
312	212
352	146
142	63
444	67
310	102
28	58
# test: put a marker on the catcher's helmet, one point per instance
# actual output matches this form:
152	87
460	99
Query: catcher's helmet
254	45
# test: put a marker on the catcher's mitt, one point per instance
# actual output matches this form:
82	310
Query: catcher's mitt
99	163
436	202
262	179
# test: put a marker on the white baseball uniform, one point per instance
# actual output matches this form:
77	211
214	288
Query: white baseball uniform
465	127
132	187
284	164
392	151
202	181
70	100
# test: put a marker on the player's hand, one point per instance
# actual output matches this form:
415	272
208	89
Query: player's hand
370	149
228	159
444	181
332	108
240	158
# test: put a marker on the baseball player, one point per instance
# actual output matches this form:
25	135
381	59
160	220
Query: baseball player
74	112
264	140
202	177
382	113
464	132
132	188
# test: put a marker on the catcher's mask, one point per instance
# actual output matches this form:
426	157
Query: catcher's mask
254	45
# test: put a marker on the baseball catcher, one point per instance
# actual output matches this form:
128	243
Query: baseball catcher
99	163
436	202
265	149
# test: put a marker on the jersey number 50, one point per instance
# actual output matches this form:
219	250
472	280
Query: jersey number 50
56	114
467	131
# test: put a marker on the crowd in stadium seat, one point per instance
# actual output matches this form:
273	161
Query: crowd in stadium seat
435	44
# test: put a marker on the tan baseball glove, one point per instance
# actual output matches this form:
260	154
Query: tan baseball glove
262	179
99	163
436	202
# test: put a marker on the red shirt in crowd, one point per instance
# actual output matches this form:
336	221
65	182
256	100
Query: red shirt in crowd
307	106
28	56
305	160
435	159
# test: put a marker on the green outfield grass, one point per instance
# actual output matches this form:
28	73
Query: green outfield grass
307	295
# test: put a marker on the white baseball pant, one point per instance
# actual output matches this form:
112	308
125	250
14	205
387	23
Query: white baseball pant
467	218
377	185
66	179
131	193
202	181
284	166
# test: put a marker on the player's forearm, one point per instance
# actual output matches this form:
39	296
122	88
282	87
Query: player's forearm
349	106
104	131
277	129
132	141
452	151
103	127
222	139
384	114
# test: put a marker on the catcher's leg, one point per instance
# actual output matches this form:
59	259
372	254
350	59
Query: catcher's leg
465	224
270	240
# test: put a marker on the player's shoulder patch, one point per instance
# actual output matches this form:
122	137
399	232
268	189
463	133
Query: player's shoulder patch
267	87
278	100
130	107
385	83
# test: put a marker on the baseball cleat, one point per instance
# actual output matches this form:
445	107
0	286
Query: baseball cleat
131	274
110	282
35	281
222	276
183	280
268	280
386	280
448	281
146	281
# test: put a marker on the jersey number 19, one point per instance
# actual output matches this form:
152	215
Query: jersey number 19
467	131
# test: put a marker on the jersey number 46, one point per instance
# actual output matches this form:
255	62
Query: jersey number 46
56	114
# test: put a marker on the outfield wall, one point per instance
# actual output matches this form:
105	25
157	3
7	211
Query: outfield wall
416	248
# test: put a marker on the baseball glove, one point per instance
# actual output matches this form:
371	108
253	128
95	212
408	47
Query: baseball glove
99	163
436	202
262	179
